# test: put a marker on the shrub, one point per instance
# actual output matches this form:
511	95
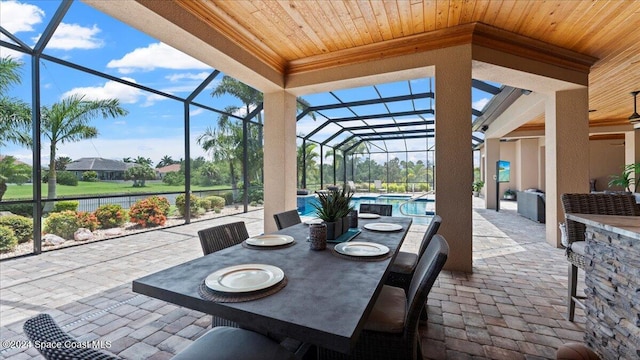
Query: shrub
18	209
180	204
22	226
204	203
66	178
173	178
228	197
87	220
8	240
148	212
67	205
110	216
424	187
162	203
63	224
217	202
90	176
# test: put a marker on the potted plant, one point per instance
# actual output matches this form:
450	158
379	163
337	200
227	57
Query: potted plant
332	207
630	177
509	195
477	186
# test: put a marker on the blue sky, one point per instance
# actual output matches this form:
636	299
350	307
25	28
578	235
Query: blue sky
154	126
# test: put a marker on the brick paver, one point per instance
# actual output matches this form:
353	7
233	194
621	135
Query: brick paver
511	307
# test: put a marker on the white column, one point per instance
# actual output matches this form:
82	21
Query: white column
279	155
632	147
567	153
492	152
454	159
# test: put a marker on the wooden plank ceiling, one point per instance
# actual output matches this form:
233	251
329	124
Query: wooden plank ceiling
281	32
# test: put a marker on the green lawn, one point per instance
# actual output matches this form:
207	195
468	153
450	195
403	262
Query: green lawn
20	192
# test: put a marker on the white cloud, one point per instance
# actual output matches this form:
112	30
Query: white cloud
196	112
158	55
74	36
18	17
187	76
111	89
479	105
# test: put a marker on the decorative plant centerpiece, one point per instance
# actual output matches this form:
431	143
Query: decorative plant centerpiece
332	207
477	186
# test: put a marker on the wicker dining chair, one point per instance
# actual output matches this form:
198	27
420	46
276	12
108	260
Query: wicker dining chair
391	330
600	204
221	237
287	218
404	265
380	209
219	343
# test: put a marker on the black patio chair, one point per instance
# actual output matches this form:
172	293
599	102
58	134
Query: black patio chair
601	204
391	330
221	237
287	218
380	209
219	343
404	265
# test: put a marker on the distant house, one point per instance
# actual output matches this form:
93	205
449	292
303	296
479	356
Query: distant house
106	169
161	172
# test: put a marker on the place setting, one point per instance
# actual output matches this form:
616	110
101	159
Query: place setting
269	242
383	227
243	282
361	251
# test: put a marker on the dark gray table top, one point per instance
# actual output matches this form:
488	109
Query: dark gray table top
327	298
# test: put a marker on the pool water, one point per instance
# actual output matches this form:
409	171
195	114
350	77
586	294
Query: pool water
420	207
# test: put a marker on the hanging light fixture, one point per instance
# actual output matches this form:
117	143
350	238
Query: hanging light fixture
635	117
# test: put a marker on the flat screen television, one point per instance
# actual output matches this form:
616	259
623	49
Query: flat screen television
504	171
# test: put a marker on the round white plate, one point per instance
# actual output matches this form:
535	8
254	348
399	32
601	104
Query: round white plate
244	278
313	221
368	216
269	240
383	227
361	248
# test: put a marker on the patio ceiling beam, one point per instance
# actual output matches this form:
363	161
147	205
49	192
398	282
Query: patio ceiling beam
22	45
366	102
202	86
400	132
423	136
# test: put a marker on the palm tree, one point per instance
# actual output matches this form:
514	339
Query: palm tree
127	160
15	114
166	161
143	161
62	162
308	156
223	145
68	121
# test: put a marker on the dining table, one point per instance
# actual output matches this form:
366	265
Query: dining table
323	300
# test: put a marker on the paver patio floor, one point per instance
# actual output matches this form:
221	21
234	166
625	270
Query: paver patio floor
511	307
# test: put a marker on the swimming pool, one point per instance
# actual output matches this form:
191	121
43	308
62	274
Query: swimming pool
420	207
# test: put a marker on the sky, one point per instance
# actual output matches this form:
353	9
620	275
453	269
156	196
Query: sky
153	127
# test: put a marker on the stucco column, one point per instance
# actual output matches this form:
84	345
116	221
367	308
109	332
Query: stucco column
567	155
454	158
492	155
279	155
632	146
527	158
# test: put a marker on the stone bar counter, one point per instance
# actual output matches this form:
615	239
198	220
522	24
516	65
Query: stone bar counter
612	279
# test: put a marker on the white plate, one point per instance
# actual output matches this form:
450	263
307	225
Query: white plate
313	221
269	240
361	248
244	278
383	227
368	216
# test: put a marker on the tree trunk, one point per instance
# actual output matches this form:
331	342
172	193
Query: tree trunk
51	183
3	189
